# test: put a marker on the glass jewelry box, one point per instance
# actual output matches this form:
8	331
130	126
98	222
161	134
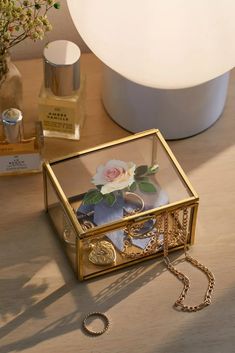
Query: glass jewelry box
120	203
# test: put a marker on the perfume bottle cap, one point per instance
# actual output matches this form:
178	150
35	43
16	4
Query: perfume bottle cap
61	67
12	121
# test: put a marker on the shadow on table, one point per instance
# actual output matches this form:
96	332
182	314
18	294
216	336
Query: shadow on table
120	285
199	149
208	331
19	295
23	255
24	279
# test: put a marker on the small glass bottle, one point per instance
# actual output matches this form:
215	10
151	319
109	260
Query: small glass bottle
61	99
12	121
19	153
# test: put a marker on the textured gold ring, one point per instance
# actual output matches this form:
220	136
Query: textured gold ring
103	318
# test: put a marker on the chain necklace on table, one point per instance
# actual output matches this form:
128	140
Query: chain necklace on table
178	234
184	279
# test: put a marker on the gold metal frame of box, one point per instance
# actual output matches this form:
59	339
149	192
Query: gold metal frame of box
191	202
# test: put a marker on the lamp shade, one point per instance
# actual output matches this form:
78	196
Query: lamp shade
160	43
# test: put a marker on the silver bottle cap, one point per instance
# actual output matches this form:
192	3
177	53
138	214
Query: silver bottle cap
61	67
12	121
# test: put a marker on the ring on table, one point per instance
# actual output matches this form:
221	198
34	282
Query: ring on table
102	317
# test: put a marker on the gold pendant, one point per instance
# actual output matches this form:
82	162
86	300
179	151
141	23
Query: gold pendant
102	253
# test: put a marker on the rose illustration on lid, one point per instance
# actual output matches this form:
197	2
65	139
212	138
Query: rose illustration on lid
114	175
117	177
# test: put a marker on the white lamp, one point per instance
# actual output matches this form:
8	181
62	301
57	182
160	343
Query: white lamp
154	51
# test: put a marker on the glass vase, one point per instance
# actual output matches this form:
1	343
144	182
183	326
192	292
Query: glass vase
10	84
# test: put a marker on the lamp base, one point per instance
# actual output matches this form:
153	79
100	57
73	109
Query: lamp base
177	113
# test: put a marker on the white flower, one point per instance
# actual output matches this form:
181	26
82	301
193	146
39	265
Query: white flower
114	175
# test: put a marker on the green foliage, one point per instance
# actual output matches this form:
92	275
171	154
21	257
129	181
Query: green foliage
141	171
110	199
23	19
141	176
92	197
153	169
133	186
57	5
146	186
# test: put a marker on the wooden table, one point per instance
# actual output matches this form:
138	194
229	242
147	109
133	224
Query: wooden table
42	303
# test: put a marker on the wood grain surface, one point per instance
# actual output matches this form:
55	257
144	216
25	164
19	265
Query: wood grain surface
41	302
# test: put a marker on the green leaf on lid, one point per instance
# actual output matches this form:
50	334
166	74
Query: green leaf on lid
110	199
153	169
141	170
92	197
146	186
133	186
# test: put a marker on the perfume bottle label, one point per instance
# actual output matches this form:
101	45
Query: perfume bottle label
26	146
21	162
60	119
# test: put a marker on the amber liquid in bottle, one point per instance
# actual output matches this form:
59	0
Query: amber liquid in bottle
62	116
61	99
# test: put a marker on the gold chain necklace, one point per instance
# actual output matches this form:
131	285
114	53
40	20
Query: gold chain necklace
153	246
178	234
184	279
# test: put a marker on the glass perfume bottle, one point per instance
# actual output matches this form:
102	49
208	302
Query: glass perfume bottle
61	99
19	153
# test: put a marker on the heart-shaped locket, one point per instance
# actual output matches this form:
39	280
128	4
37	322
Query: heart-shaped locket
102	253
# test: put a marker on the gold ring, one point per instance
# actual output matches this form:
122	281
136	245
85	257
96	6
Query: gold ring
134	197
103	318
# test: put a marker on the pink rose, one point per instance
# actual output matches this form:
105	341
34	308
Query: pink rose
114	175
